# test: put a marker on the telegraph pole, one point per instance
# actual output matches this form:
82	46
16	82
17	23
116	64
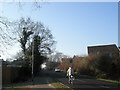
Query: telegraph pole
33	60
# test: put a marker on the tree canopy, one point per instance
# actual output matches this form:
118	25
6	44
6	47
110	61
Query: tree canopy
35	39
28	29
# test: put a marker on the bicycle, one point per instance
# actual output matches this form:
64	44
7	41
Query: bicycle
71	79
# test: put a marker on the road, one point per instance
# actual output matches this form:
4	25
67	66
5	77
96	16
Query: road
84	82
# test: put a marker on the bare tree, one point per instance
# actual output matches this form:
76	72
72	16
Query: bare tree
7	35
35	29
7	31
35	39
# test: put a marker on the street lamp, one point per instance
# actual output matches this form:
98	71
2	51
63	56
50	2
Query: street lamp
32	59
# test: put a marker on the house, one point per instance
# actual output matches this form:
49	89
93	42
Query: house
119	51
108	50
68	60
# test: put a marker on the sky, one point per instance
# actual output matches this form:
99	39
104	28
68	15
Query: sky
74	25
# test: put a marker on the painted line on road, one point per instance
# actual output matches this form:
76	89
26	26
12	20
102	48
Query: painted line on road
105	86
64	84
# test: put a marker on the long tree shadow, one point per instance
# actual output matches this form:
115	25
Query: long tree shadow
41	79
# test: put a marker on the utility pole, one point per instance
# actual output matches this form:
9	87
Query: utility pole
33	60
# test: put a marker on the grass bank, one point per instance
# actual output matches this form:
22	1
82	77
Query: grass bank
58	86
107	80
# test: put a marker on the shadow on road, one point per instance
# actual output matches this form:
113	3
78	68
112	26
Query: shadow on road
82	82
41	81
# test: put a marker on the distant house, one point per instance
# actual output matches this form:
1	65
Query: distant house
108	50
68	60
5	63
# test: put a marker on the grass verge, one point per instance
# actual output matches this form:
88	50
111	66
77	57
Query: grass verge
113	81
58	86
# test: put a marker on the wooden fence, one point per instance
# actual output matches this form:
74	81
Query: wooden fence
9	74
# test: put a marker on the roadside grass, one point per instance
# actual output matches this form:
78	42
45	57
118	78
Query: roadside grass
113	81
52	82
58	86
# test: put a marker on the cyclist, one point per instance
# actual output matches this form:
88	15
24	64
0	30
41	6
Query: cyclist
70	73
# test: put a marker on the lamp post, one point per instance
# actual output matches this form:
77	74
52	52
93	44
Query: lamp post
32	60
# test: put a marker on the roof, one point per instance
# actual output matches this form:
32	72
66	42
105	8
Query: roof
66	58
112	46
104	45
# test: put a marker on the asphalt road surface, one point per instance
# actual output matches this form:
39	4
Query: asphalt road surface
83	82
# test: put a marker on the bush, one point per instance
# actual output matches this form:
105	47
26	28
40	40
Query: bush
102	75
114	72
98	66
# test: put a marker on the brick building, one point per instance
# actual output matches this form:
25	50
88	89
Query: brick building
119	51
108	50
68	60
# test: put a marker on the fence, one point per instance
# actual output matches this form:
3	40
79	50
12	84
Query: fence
9	74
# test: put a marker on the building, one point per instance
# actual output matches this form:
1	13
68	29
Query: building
68	60
108	50
119	51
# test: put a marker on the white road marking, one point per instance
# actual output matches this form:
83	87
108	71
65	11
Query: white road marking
105	86
64	84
